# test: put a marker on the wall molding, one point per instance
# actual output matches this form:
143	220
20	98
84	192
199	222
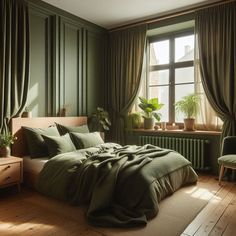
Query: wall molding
61	28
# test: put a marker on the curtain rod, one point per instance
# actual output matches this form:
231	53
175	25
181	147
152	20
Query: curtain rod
172	15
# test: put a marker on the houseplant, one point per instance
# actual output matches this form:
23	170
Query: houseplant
5	142
136	119
150	109
189	106
100	121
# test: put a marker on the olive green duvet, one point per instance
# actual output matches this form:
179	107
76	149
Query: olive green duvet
122	186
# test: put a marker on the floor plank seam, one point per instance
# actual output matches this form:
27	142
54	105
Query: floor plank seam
203	227
219	220
221	205
225	229
210	202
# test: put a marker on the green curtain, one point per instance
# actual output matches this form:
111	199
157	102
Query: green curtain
125	60
14	59
216	34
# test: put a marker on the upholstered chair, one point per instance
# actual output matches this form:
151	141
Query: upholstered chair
228	156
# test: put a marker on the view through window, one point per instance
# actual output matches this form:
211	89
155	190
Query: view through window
171	71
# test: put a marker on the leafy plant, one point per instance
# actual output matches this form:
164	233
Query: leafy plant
100	119
188	105
150	107
7	139
136	119
27	109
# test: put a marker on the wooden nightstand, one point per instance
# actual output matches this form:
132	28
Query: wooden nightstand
11	171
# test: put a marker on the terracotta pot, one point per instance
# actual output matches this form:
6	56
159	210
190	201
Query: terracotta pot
5	151
27	114
149	123
189	124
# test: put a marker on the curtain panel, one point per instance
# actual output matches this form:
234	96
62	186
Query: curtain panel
14	59
206	119
125	61
216	34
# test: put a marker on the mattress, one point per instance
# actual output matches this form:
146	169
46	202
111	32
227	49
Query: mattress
34	165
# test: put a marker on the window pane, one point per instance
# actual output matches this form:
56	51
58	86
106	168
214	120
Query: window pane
160	77
184	75
181	91
159	53
162	92
184	48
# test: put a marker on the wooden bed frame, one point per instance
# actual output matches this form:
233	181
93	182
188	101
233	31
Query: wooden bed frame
19	148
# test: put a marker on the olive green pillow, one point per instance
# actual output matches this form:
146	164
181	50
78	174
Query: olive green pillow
86	140
58	145
35	142
67	129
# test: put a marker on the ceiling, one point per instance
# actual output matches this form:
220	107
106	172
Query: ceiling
114	13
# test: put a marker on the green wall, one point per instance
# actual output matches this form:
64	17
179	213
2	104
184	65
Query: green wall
66	62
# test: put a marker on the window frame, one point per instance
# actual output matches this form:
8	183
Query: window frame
171	66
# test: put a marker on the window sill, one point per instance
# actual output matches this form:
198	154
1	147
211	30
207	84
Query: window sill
177	131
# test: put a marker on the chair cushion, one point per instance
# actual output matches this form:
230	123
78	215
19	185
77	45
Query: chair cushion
228	160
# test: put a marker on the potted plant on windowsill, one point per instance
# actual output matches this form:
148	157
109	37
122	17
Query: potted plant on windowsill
189	106
26	113
5	142
150	109
134	120
100	121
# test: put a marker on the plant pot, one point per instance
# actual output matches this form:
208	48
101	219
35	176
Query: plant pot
189	124
5	151
149	123
26	114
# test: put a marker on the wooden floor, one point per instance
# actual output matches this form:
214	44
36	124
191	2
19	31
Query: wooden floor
42	217
218	217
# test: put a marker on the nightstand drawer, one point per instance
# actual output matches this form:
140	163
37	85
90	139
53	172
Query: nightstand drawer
10	173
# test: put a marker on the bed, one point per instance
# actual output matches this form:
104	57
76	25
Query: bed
122	186
32	167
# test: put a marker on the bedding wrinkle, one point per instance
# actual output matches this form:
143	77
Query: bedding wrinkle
122	186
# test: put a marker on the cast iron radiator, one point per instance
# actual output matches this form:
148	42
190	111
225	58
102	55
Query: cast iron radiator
192	149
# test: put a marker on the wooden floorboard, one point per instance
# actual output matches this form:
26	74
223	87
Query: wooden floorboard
201	222
219	216
26	214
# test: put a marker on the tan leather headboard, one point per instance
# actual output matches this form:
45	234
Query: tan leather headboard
19	148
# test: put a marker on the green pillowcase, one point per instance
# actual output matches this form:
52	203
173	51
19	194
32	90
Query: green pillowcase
36	145
67	129
58	145
87	140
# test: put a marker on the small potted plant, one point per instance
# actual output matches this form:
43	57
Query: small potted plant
100	121
136	120
26	113
189	106
5	142
150	109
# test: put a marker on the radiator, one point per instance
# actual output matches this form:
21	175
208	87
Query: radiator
191	148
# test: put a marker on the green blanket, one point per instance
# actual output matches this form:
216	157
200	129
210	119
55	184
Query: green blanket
119	184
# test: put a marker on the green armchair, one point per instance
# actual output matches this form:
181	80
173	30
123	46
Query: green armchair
228	156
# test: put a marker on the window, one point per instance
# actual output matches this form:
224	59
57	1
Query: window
171	71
